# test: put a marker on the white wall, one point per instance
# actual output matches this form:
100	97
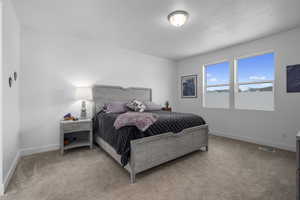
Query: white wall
53	65
10	96
1	97
277	128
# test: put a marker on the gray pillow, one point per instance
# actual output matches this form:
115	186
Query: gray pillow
115	107
136	105
152	106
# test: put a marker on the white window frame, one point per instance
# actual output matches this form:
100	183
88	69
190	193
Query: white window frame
205	86
237	84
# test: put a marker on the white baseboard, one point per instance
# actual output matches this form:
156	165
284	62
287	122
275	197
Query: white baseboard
255	141
10	173
24	152
34	150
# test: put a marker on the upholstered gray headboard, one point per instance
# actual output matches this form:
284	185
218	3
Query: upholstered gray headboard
105	93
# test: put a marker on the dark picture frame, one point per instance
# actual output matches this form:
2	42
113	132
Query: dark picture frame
189	86
293	78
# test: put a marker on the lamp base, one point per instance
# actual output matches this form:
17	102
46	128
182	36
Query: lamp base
83	114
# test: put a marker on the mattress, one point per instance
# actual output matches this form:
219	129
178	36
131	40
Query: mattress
120	139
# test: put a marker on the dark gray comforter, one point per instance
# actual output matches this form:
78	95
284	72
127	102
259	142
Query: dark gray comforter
120	139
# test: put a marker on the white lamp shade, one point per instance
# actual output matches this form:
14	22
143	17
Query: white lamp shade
84	93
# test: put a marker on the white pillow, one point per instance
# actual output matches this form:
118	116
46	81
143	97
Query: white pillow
136	105
152	106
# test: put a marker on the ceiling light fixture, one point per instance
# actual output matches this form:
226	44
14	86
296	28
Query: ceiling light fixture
178	18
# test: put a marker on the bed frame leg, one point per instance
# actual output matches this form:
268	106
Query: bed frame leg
132	178
206	148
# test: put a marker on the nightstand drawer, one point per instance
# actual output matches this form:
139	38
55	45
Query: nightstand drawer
72	127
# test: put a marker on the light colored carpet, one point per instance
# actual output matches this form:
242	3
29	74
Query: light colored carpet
230	170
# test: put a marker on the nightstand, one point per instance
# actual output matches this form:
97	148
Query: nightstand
76	133
167	109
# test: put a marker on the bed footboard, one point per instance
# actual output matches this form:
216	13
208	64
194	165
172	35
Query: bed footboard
152	151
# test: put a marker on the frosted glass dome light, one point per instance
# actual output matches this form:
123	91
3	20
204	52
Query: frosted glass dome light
178	18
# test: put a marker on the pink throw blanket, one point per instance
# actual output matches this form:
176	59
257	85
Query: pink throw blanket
141	120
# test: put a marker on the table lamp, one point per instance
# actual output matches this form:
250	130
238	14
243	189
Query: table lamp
84	94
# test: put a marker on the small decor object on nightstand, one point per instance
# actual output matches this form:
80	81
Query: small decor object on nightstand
70	117
84	94
167	104
75	134
167	107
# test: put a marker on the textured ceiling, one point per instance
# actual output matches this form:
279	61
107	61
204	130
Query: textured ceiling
141	25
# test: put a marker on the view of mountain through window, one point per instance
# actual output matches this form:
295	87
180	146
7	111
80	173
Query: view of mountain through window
217	77
217	73
217	87
256	69
255	79
253	83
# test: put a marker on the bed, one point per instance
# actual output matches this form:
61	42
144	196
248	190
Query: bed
137	152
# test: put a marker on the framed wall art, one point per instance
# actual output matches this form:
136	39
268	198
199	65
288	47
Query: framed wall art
189	86
293	78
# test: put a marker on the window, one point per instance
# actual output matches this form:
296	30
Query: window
254	82
216	85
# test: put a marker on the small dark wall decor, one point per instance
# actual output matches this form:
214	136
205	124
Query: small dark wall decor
189	86
15	76
10	80
293	78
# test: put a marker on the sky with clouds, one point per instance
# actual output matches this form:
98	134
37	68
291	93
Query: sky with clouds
217	73
257	68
